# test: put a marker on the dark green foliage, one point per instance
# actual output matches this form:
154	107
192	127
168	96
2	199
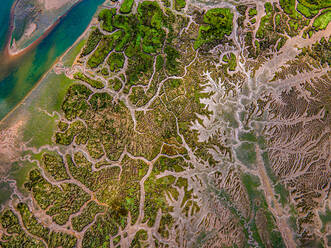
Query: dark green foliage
175	83
281	43
115	84
105	71
179	4
231	61
94	148
59	202
74	104
151	20
62	126
31	223
150	14
159	62
105	227
87	216
81	170
61	239
106	16
122	195
139	36
266	24
167	221
100	101
67	137
305	11
155	196
139	65
94	83
107	44
54	165
218	22
166	3
288	6
316	4
242	9
17	237
171	59
92	42
320	51
116	61
252	12
139	238
271	28
10	221
126	6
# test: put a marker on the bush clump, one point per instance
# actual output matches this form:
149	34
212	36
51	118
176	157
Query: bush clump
218	22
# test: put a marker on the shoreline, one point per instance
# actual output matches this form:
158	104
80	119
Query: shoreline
14	53
2	121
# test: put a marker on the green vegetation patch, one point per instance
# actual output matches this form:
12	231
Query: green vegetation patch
106	45
6	192
126	6
66	138
54	165
17	237
87	216
316	4
179	4
106	17
305	11
116	61
247	136
139	239
283	194
59	202
218	22
172	55
289	8
94	83
246	153
92	42
263	225
231	61
53	239
115	84
322	21
252	12
325	218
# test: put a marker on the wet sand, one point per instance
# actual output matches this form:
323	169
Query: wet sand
12	52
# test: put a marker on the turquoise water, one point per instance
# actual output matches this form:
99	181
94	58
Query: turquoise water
18	77
4	20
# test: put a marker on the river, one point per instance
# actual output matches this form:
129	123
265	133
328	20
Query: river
18	75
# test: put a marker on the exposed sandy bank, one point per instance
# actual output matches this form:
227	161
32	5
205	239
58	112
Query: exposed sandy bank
55	4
